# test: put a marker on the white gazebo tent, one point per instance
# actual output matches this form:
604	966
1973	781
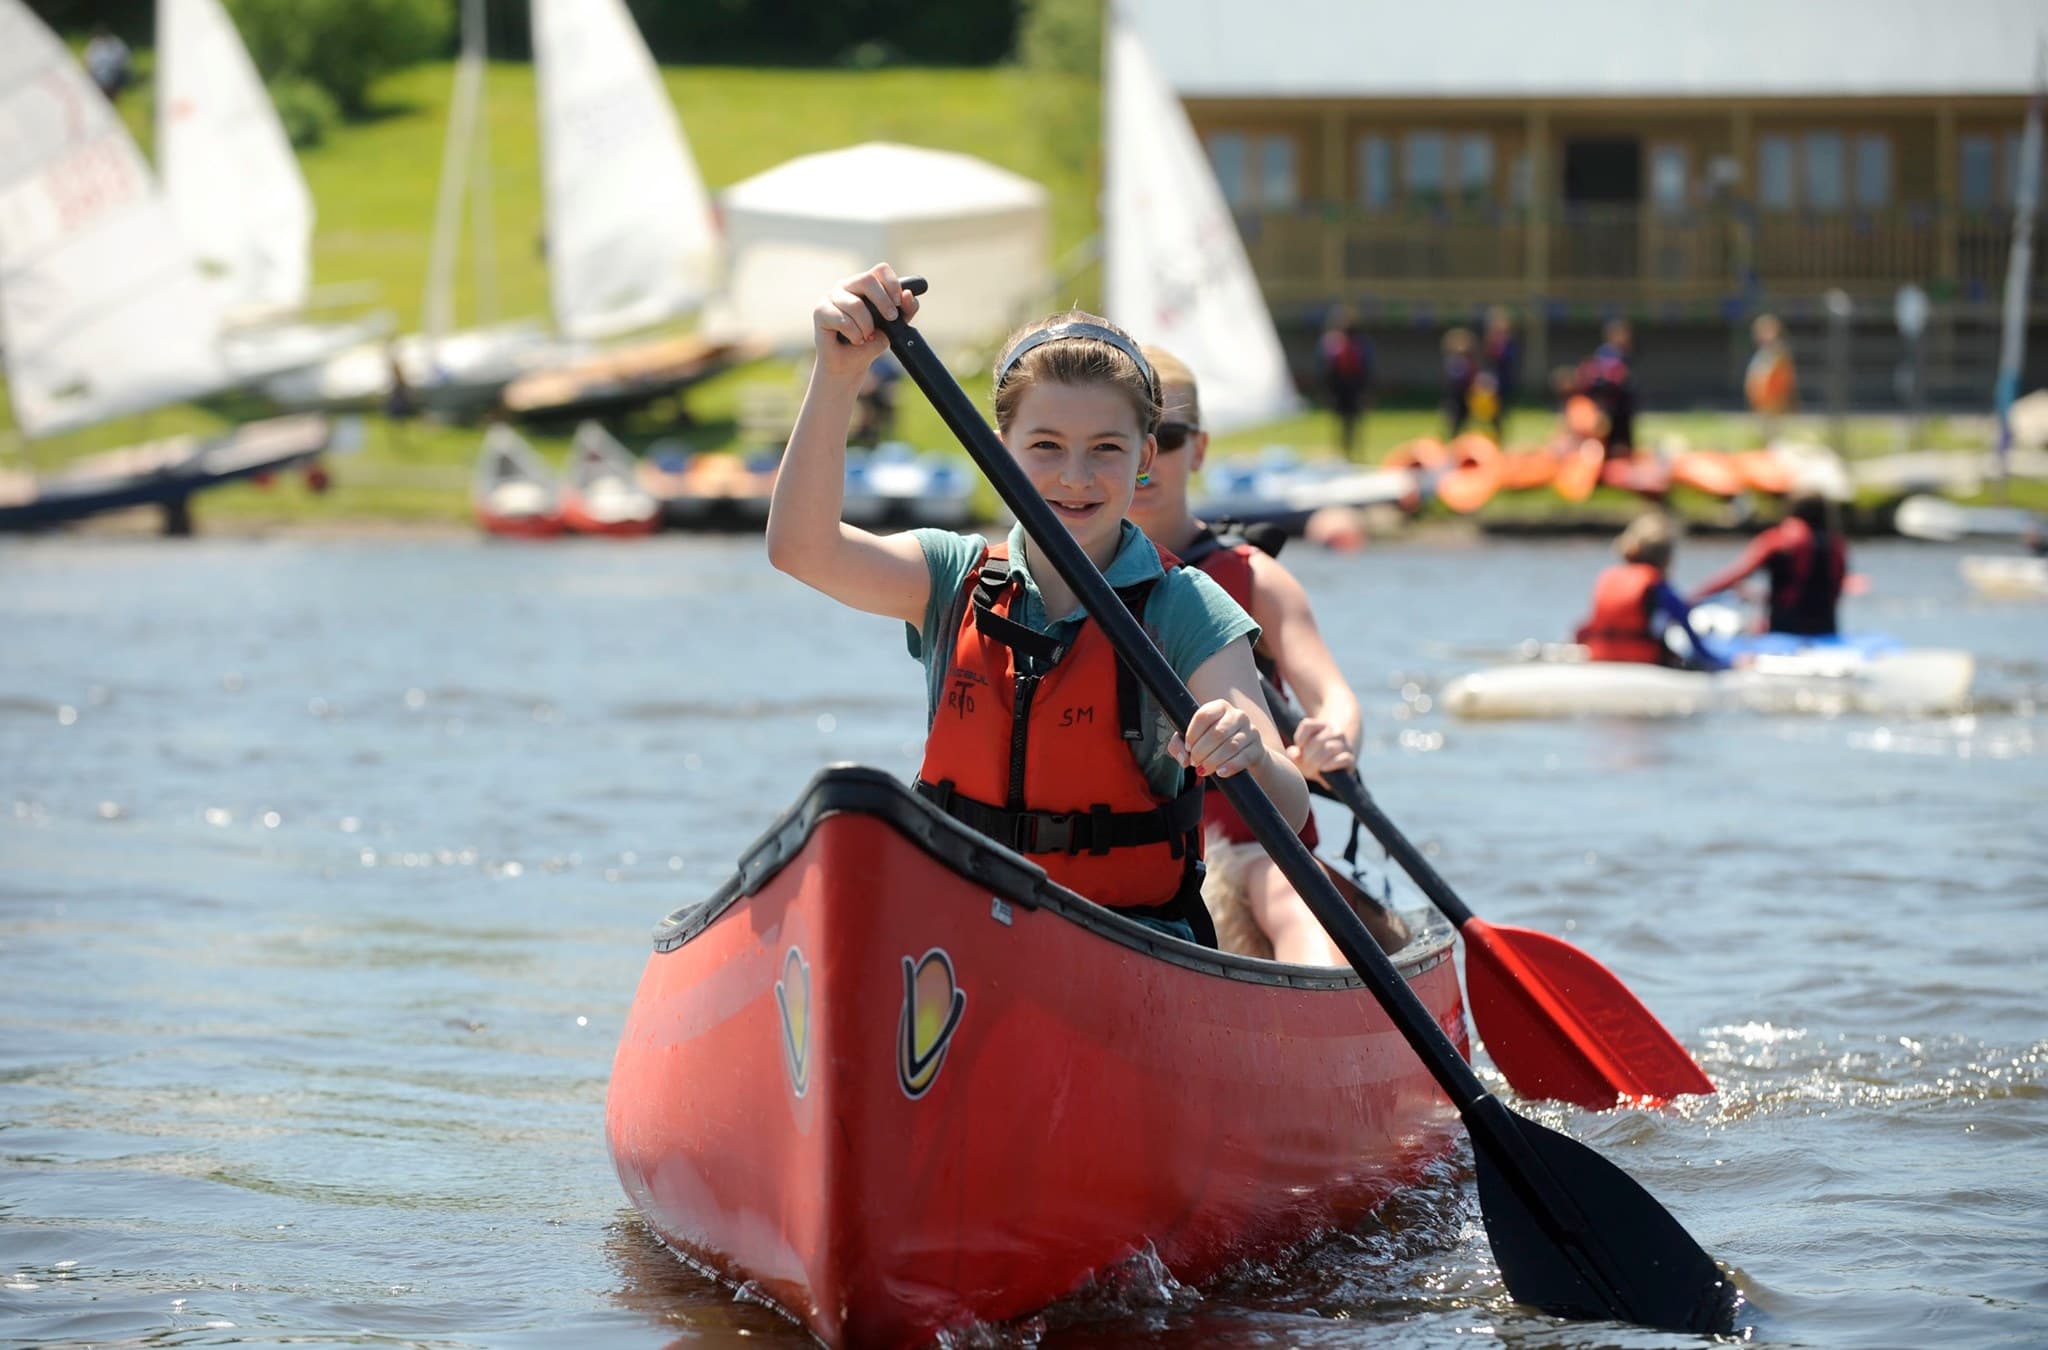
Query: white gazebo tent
979	233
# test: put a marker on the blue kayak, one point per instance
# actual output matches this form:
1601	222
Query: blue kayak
1731	647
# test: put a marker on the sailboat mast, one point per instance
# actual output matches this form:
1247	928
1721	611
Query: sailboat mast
456	154
482	219
2012	344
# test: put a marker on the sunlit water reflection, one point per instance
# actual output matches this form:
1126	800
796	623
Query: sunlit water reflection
326	871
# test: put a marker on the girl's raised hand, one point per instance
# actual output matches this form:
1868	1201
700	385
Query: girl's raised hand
847	338
1220	740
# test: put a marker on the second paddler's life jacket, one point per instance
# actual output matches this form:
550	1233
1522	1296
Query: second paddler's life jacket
1047	763
1806	570
1620	627
1226	555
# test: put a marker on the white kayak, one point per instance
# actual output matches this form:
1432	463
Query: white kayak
2007	578
1826	681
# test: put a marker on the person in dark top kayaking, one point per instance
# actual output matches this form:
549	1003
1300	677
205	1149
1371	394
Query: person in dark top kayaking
1633	602
1806	561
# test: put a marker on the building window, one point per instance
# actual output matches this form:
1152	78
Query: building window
1226	157
1774	173
1873	171
1423	167
1475	168
1977	172
1825	179
1375	173
1522	180
1670	178
1279	182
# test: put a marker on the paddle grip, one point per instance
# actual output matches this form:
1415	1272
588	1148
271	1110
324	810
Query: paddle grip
916	285
1350	790
1137	651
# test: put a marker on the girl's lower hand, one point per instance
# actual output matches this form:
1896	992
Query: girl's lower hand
1220	739
1320	749
846	335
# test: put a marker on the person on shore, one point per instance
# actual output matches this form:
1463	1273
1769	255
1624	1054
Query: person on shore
875	420
1607	378
1461	371
1806	561
1255	910
1501	356
1036	735
1634	604
1345	358
106	58
1770	383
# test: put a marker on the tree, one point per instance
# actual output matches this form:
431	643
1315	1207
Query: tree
342	46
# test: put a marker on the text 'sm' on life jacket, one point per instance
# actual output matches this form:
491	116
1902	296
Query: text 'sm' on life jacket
1036	745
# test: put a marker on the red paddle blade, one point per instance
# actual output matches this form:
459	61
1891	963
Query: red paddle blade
1561	1026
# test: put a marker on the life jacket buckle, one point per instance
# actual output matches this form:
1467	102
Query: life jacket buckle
1045	832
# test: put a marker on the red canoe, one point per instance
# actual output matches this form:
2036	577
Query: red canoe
898	1081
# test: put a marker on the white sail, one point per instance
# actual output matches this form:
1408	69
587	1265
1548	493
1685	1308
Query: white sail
228	169
1174	270
101	309
630	238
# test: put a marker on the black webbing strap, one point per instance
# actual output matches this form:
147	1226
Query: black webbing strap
1224	532
1024	641
1095	831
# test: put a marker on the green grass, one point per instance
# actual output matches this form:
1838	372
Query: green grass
375	183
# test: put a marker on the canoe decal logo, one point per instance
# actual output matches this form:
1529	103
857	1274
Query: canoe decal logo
932	1004
793	996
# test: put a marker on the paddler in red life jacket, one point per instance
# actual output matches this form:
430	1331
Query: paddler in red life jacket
1036	736
1633	602
1254	907
1806	561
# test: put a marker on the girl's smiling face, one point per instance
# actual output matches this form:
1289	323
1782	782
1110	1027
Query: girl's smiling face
1083	448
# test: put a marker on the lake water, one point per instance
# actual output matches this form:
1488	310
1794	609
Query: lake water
326	872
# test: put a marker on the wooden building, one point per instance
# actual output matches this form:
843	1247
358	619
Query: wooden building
1685	163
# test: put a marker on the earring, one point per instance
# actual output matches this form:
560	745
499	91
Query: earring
1145	479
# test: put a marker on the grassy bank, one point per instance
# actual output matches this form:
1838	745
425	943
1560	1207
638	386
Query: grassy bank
375	183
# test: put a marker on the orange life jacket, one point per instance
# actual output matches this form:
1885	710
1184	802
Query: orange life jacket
1047	763
1228	561
1620	627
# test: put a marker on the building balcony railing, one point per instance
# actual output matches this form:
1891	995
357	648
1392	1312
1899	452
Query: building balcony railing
1726	256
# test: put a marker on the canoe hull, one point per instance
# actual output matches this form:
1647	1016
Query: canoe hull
1816	681
897	1098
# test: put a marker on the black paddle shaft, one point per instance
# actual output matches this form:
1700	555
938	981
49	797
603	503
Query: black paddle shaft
1350	790
1572	1233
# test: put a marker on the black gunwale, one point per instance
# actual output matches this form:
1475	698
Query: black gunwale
855	789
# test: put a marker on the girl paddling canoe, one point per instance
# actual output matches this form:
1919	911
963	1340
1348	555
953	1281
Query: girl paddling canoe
1037	736
1256	912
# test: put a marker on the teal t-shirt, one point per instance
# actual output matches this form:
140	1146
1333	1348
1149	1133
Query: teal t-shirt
1189	615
